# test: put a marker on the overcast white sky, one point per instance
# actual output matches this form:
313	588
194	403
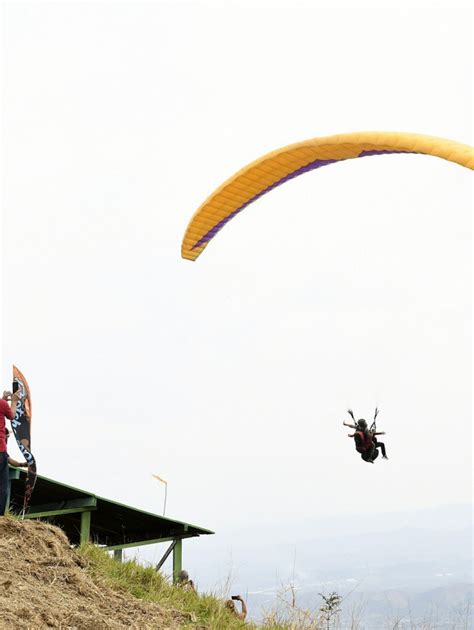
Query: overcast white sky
231	376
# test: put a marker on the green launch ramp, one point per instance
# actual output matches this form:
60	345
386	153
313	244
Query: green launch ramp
86	517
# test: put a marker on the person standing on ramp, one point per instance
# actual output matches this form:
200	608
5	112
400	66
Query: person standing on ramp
6	411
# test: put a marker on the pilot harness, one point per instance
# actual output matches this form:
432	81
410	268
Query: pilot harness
367	441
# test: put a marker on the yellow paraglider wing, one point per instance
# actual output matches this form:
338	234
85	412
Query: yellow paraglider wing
278	167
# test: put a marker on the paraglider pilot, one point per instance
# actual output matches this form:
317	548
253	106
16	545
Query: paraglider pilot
365	439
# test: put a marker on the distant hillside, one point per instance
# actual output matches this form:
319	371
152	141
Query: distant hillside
421	556
417	551
443	608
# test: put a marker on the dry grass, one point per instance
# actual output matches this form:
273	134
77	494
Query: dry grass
45	584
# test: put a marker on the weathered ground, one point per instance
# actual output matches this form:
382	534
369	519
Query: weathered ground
44	583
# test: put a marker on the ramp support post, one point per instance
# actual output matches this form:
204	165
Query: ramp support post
85	527
177	559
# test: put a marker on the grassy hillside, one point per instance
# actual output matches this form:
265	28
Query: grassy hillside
196	611
199	611
45	583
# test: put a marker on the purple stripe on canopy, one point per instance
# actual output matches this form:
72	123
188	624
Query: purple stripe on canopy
381	152
303	169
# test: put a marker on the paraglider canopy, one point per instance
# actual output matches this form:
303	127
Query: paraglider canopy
278	167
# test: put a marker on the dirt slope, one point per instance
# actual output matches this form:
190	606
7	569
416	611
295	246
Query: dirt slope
45	584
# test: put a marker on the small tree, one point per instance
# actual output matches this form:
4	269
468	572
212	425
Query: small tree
330	608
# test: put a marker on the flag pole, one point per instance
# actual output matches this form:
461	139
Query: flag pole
163	481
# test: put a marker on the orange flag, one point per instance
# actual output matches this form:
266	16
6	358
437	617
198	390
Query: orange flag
160	479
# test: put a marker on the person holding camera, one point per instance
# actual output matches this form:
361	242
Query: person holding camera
230	605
